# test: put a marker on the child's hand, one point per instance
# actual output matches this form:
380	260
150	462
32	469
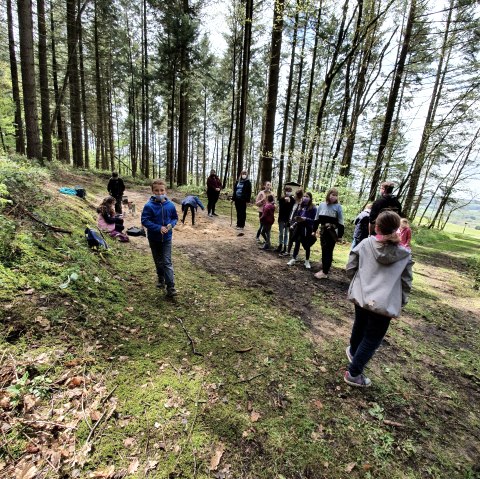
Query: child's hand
164	230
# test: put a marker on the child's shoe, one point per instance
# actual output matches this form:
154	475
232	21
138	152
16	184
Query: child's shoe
359	381
171	292
214	214
307	264
292	262
320	275
210	215
161	284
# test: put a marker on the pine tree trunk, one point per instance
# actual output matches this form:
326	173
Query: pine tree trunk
247	40
19	136
392	100
74	85
272	91
83	90
25	28
287	106
99	144
427	128
147	94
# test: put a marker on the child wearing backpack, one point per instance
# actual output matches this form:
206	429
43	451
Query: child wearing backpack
159	216
382	278
266	221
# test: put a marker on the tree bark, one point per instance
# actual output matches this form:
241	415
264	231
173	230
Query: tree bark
19	135
272	91
99	141
25	28
392	100
82	86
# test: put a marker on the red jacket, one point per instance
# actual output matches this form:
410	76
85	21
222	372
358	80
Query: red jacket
268	215
213	182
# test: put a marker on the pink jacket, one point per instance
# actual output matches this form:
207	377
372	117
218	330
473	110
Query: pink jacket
103	225
405	236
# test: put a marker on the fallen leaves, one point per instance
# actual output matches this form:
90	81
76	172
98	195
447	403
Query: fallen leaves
217	457
255	416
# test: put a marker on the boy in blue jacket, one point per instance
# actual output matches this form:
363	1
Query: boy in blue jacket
159	216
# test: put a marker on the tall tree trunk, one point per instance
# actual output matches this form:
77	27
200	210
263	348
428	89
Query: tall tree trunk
204	149
287	105
19	136
25	29
99	146
147	94
171	132
74	85
306	135
293	133
83	89
427	128
247	40
272	91
392	100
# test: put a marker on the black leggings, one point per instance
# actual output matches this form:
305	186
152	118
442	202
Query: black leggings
241	207
328	244
185	211
212	201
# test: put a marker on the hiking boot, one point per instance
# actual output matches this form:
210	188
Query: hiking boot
360	381
292	262
161	284
171	292
320	275
349	354
307	264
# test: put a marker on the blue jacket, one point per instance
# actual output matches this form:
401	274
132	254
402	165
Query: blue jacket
155	215
192	201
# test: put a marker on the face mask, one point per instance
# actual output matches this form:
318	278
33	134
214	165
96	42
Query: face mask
244	177
160	198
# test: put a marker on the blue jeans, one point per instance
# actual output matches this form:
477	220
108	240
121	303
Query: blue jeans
162	255
283	233
368	332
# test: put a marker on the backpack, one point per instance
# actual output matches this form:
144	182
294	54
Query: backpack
80	192
95	241
136	231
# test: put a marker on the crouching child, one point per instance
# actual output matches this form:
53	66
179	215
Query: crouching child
159	217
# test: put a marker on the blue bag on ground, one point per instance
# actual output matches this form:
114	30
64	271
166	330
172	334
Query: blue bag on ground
94	239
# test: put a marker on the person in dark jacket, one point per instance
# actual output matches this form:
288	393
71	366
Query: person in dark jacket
214	186
159	216
242	192
192	203
362	224
116	187
387	202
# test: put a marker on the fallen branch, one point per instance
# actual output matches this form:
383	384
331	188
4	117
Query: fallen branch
244	350
192	342
393	423
250	379
51	227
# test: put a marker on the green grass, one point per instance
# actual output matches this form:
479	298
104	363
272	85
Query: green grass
280	408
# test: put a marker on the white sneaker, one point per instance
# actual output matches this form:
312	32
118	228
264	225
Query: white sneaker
320	275
292	262
210	215
307	264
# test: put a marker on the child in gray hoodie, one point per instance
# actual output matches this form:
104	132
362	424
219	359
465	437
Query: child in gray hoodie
382	278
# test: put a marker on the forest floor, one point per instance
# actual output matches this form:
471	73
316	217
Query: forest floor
240	375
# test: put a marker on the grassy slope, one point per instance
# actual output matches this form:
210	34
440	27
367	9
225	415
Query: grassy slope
280	409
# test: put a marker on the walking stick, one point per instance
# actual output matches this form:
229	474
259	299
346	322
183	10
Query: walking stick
231	213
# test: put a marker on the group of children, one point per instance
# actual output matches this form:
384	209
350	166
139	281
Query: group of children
380	262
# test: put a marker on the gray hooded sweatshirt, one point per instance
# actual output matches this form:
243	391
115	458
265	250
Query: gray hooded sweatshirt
382	276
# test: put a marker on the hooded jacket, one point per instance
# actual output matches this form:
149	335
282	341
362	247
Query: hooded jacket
155	215
268	215
382	276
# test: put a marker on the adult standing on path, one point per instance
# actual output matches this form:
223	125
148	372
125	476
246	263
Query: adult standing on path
242	192
387	202
116	187
214	185
330	217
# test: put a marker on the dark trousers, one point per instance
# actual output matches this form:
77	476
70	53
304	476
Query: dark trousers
212	201
367	333
260	228
118	204
241	207
328	244
296	250
265	232
185	211
162	256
